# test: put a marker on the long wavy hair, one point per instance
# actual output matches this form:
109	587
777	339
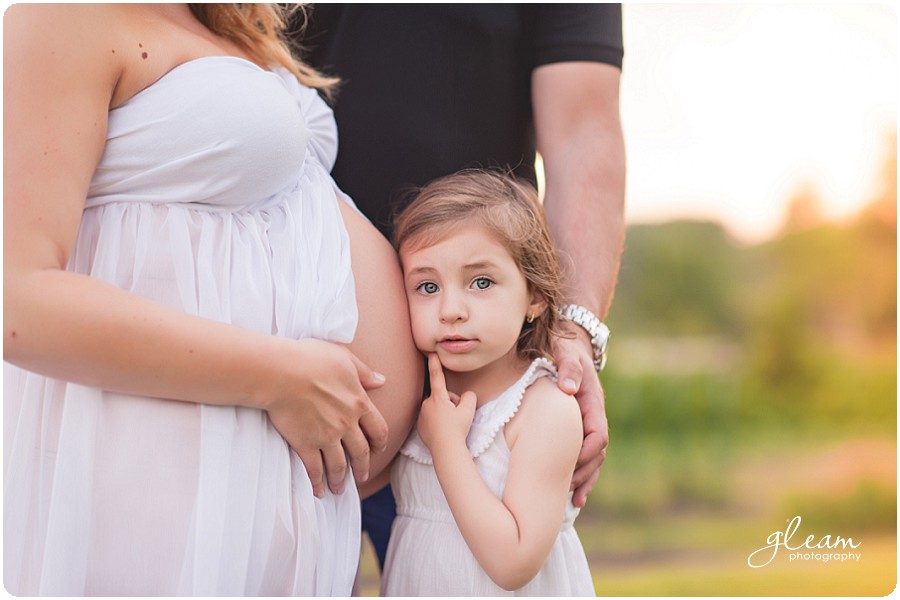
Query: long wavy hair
510	211
259	30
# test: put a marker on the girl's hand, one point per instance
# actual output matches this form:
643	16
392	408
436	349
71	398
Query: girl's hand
445	418
322	410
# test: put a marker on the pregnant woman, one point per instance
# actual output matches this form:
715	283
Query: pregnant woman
195	371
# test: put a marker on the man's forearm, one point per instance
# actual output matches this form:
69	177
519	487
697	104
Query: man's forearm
579	136
585	207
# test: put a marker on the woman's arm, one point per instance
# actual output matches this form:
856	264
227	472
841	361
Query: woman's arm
510	537
59	77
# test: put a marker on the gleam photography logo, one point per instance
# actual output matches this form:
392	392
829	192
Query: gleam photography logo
814	548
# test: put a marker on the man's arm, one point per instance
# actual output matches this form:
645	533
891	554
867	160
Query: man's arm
579	137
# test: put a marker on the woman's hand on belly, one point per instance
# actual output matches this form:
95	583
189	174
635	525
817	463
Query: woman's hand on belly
326	416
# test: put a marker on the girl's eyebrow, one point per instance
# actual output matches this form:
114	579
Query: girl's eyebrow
482	264
475	266
420	271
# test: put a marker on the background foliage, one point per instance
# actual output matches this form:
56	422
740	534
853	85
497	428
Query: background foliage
748	385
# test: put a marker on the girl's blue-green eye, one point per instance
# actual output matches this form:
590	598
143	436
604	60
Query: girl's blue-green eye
428	288
482	283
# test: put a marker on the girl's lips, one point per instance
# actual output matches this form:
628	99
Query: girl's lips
457	346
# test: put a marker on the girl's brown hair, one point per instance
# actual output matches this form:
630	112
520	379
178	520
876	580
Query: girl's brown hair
510	211
259	29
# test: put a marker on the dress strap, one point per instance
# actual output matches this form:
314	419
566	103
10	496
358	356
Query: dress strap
489	419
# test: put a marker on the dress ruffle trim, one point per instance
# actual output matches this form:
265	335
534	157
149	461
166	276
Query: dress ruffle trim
490	419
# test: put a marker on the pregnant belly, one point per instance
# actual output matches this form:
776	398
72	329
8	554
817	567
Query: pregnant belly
383	338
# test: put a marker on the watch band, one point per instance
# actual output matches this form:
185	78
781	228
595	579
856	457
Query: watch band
595	328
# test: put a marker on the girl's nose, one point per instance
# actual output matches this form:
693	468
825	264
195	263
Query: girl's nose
453	307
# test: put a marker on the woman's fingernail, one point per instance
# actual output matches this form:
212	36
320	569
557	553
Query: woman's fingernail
379	378
570	385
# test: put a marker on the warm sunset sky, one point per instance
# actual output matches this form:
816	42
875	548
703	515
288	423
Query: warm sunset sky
728	108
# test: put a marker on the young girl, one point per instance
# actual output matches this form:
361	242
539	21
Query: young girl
482	487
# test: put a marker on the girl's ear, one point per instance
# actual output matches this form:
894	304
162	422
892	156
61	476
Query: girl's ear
537	307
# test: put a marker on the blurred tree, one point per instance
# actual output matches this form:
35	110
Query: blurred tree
884	206
813	311
677	279
804	209
878	231
821	314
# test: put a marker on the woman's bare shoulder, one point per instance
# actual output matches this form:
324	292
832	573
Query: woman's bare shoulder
81	26
67	41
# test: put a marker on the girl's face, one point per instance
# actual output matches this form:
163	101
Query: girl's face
467	298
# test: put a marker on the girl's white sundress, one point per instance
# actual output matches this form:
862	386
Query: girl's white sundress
427	555
213	197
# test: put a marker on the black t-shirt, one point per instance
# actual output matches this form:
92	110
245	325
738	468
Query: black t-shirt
428	89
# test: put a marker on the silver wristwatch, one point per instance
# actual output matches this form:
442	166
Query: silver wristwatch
596	329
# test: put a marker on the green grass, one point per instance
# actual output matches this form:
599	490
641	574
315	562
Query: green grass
699	547
727	574
706	554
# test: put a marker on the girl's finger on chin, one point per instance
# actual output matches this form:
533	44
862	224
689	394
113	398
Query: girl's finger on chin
436	372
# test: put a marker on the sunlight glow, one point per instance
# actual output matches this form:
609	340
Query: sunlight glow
728	109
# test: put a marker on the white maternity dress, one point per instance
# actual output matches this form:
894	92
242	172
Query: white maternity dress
427	555
213	197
